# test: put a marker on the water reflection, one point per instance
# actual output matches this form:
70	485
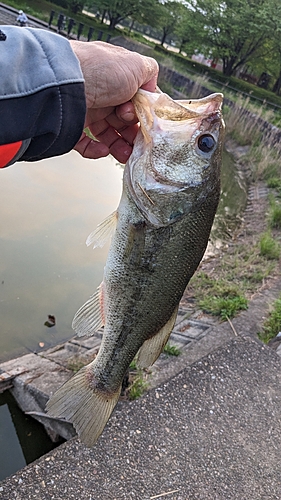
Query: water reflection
48	209
22	439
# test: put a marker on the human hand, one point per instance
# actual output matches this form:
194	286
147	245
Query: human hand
112	77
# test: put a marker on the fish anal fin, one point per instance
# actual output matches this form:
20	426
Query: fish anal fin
103	231
90	317
152	348
80	402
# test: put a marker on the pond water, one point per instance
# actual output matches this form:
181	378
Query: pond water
47	211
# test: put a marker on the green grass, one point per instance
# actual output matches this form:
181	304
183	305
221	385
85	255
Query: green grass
224	307
171	350
269	247
273	182
137	387
272	325
275	213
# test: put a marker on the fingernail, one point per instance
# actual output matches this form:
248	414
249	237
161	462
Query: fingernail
128	117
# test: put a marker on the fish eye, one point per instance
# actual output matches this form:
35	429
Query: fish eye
206	143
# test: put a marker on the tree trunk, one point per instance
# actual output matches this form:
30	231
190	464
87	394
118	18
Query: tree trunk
103	16
164	36
277	85
131	25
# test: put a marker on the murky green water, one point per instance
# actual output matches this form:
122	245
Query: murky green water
233	200
22	439
47	211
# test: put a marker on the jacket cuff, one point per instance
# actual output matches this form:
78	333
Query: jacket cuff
42	99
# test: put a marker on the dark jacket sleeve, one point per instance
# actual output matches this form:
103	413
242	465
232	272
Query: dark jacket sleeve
42	100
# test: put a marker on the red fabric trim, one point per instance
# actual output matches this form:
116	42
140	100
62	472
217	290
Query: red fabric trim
8	152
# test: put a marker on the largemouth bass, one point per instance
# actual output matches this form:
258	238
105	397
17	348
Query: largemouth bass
171	189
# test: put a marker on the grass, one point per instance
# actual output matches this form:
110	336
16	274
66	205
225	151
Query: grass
219	297
138	386
225	307
275	213
273	182
171	350
272	325
269	247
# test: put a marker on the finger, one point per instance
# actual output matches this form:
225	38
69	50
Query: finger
88	148
121	150
128	133
151	85
152	70
126	113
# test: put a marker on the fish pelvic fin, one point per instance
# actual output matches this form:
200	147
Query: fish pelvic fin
103	231
152	348
90	317
80	402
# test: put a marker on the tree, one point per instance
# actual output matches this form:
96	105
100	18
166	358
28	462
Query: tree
117	10
169	15
189	29
235	30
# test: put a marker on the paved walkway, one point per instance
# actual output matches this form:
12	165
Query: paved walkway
211	432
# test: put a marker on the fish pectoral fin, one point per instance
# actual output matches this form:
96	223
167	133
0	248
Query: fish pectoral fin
89	318
80	402
152	348
103	231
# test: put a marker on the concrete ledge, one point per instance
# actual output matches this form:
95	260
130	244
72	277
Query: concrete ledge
211	432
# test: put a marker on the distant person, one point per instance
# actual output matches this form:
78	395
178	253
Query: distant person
61	22
22	18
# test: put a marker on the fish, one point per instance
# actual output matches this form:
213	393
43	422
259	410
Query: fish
159	233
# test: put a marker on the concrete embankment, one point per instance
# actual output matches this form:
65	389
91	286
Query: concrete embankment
210	432
33	378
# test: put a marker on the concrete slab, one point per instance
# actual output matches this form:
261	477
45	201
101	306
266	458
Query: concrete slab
212	432
33	380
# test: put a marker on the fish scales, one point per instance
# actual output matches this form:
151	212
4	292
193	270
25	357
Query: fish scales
171	189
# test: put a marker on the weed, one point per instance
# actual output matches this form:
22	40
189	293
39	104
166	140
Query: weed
273	182
272	325
269	248
225	307
133	365
275	214
138	387
171	350
76	363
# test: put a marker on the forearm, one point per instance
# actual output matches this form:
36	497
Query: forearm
42	100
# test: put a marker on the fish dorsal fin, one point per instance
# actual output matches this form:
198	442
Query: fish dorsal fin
89	318
103	231
152	348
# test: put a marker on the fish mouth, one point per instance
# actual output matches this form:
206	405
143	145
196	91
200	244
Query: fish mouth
172	153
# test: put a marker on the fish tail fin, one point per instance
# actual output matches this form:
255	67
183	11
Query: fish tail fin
80	402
